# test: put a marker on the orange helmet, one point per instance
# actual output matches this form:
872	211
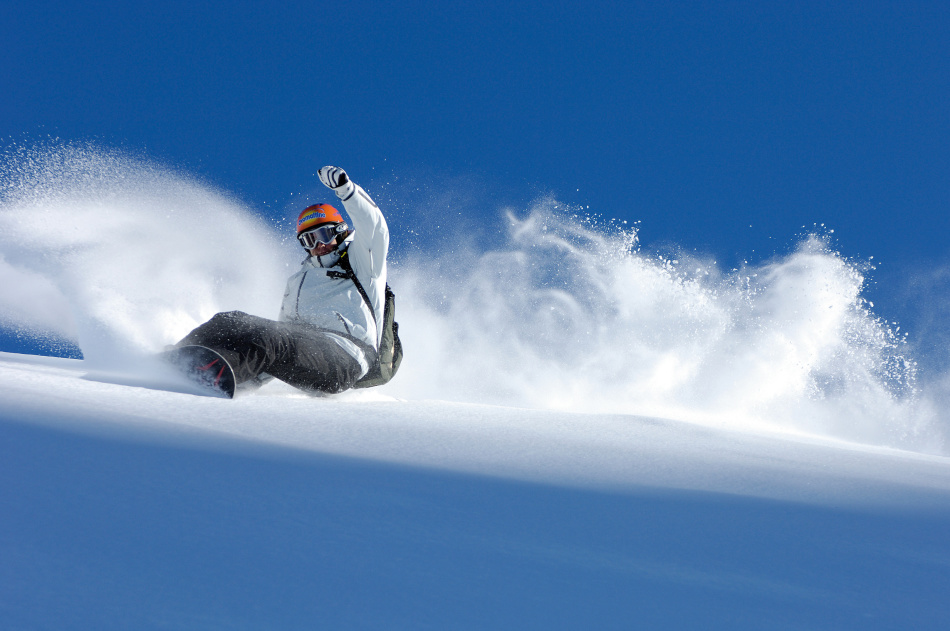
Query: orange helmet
317	215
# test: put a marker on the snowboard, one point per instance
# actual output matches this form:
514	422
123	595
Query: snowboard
204	367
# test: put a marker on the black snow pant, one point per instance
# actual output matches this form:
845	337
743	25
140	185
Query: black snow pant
298	354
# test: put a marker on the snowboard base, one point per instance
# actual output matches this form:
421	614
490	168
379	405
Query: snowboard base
205	367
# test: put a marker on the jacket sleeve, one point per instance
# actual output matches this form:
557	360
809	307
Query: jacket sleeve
370	246
371	234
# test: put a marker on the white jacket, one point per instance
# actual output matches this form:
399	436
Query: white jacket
334	304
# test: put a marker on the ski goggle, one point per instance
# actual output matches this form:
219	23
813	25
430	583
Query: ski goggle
323	234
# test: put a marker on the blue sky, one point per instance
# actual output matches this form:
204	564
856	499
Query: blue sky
723	127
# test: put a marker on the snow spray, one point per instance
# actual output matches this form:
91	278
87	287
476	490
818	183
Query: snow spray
563	313
124	256
550	311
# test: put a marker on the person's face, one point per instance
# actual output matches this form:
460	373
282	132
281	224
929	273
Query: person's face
322	249
317	236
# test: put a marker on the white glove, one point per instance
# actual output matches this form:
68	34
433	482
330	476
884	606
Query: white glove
332	177
336	179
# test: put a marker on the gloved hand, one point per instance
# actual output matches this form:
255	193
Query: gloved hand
333	177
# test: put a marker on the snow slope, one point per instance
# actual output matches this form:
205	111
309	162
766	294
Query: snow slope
582	435
133	507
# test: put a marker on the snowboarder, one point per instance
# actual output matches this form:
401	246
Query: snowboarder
326	337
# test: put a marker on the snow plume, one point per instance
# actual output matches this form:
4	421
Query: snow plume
121	255
563	314
542	309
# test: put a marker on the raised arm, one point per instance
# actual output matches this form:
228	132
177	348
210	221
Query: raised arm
372	233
